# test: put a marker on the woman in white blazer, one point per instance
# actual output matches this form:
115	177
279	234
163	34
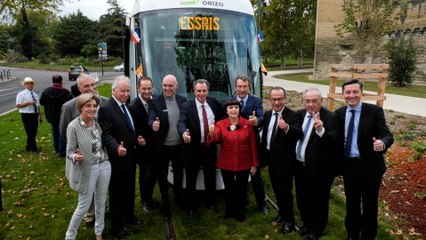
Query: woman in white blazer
87	166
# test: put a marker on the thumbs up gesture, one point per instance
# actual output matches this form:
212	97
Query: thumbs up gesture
282	124
186	136
318	124
156	124
121	150
253	119
78	156
211	128
141	140
378	145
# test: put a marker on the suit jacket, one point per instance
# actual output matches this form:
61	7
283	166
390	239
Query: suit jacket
69	111
116	129
320	153
283	154
372	123
253	103
158	108
140	120
189	119
238	149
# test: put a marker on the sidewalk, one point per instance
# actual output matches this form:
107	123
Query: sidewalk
404	104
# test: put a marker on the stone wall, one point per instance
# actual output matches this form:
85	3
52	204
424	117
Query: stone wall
330	48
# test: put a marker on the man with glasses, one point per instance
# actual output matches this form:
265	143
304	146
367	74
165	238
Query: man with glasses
315	153
281	130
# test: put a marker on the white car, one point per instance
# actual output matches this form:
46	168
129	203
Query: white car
119	68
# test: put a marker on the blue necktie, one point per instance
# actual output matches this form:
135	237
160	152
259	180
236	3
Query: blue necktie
305	131
34	105
349	135
126	115
242	105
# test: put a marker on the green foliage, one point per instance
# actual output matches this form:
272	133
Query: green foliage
366	21
13	56
72	33
419	148
402	55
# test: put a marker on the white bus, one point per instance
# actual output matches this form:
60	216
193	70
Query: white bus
193	39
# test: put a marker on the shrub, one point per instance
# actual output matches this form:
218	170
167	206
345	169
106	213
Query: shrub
402	56
13	56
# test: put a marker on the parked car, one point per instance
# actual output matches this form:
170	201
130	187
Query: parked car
119	68
75	71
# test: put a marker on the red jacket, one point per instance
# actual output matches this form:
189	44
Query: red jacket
238	150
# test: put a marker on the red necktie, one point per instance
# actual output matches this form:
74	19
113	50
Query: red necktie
206	125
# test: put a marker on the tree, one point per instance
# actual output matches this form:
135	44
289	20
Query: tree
366	21
111	29
402	55
13	6
73	32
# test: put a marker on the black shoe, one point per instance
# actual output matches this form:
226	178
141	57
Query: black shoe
288	227
264	210
311	236
133	221
146	207
119	234
90	224
303	230
278	220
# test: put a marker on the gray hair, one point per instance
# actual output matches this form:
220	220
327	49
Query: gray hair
244	78
313	90
118	79
84	76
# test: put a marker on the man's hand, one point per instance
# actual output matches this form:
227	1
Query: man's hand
282	124
121	150
156	125
378	145
78	156
253	119
186	136
318	124
141	140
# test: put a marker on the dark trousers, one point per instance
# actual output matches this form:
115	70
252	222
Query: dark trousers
165	155
30	121
121	197
312	195
282	185
197	156
58	143
258	188
361	187
235	191
147	176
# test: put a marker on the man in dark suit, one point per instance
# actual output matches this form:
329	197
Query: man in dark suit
120	139
365	137
139	108
194	130
281	130
251	109
164	112
314	163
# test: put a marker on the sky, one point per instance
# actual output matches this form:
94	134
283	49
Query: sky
92	9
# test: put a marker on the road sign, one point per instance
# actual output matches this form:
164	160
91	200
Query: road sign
102	51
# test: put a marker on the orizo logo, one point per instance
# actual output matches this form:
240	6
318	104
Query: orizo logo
213	3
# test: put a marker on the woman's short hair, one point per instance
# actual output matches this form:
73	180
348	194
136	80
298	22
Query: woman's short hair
84	98
231	102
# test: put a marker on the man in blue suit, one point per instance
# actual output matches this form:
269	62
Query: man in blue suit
251	109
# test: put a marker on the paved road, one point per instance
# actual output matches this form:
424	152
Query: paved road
43	78
410	105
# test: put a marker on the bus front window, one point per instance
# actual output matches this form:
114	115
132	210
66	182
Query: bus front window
212	45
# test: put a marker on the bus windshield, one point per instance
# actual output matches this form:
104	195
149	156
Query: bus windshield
195	43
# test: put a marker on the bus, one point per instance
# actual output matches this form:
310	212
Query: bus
195	39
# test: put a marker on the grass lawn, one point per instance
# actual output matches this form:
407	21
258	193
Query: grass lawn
411	90
38	202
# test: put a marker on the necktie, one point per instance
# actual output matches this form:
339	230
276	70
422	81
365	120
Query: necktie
350	134
34	105
305	131
274	132
126	115
242	105
145	105
206	125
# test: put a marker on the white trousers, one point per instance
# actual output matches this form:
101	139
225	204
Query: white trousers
100	175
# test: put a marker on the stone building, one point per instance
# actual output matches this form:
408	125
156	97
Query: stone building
331	49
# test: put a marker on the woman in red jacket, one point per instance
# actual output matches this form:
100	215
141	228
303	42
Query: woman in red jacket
237	157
